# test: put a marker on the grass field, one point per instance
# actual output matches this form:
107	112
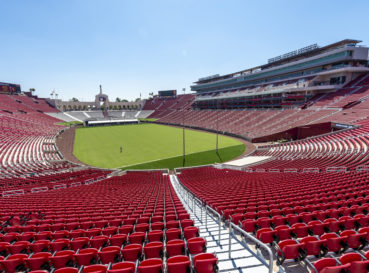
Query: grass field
147	146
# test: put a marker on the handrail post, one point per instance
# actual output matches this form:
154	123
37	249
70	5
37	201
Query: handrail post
206	218
260	243
230	238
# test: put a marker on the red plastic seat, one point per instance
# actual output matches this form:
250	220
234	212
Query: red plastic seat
60	244
173	233
290	249
109	231
191	232
150	266
14	263
123	267
178	264
4	248
157	226
132	252
66	270
334	242
153	250
324	263
172	224
93	232
137	238
187	223
96	268
142	227
175	247
39	260
19	247
110	254
196	245
313	246
205	263
155	236
44	235
118	240
79	243
99	241
86	256
63	258
266	235
126	229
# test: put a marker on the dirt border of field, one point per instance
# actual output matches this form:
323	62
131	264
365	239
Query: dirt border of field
63	142
68	136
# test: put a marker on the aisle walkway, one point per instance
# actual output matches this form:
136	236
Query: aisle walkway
242	260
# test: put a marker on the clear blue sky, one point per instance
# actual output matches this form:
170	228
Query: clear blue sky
133	47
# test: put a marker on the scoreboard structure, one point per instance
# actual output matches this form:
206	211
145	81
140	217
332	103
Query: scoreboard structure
9	88
167	93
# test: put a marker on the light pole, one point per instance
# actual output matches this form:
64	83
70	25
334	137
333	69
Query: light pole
183	133
217	139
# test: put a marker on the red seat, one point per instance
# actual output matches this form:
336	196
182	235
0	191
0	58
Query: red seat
118	240
153	250
86	256
63	258
191	232
96	268
187	223
66	270
93	232
157	226
155	236
60	244
39	260
266	235
123	267
14	263
334	242
324	263
79	243
175	247
132	252
173	233
172	224
137	238
151	266
99	241
109	231
4	248
196	245
19	247
126	229
110	254
313	246
178	264
290	249
205	263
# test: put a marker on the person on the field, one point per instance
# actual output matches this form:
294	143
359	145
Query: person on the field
121	149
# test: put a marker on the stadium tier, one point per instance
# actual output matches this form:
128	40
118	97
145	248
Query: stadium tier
301	206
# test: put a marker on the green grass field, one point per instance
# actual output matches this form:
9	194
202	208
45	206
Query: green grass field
148	146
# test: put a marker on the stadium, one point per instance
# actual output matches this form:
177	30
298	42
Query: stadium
106	186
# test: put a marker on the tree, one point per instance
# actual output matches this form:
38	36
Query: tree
118	100
75	99
124	100
138	99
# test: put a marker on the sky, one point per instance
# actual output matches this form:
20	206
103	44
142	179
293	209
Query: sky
138	47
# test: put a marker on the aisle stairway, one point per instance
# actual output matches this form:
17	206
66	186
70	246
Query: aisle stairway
242	259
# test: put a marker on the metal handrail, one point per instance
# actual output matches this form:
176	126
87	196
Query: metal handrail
219	220
258	242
